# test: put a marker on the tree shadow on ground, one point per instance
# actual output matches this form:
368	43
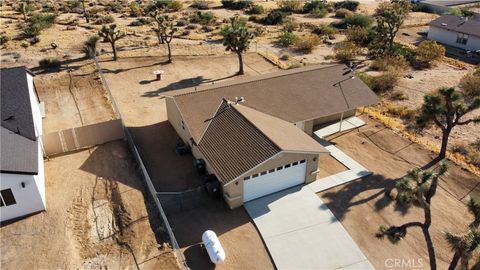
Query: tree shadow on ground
378	187
184	83
120	70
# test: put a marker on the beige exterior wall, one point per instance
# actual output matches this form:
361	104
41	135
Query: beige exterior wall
175	119
333	117
308	127
233	192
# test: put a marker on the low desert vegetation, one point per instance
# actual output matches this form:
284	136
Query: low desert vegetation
202	18
237	4
49	63
346	51
306	43
470	84
428	52
37	23
287	38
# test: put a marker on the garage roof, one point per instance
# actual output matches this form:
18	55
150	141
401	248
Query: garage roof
293	95
239	138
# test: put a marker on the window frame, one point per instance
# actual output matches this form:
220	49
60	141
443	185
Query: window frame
9	193
462	38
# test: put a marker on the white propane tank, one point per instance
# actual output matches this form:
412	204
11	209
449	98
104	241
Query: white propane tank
213	247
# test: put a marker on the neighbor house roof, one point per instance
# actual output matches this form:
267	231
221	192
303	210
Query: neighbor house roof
457	24
294	95
16	110
17	153
232	145
450	3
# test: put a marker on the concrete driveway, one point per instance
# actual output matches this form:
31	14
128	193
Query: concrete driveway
302	233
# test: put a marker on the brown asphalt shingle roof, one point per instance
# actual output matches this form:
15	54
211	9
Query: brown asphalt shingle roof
457	24
232	145
293	95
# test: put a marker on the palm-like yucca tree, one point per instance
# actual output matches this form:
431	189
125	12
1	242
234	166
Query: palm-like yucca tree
417	188
465	245
90	46
165	31
236	38
111	33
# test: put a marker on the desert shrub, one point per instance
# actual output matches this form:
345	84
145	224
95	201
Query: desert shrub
348	4
105	20
358	35
113	6
290	5
202	18
49	63
460	12
274	17
398	95
406	52
37	23
191	27
427	52
470	85
286	39
474	159
357	20
319	12
73	4
419	7
384	82
135	9
325	30
306	43
461	148
237	4
200	4
4	39
93	12
285	57
315	4
388	62
346	51
253	18
181	22
175	5
258	31
343	12
402	112
29	7
290	25
140	22
256	9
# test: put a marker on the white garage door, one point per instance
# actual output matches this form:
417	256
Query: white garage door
274	180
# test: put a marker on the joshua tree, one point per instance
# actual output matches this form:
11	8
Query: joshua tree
446	109
90	46
464	245
165	31
24	9
390	17
418	189
160	21
111	33
236	38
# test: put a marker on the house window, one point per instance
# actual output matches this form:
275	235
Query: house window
279	168
183	125
263	173
295	163
462	38
255	175
288	166
271	171
246	178
6	197
302	161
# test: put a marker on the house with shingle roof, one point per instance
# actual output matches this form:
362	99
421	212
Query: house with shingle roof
22	182
255	134
459	32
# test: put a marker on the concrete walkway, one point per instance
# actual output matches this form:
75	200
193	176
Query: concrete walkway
302	233
355	170
347	124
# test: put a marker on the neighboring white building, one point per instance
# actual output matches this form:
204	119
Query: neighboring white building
456	31
22	181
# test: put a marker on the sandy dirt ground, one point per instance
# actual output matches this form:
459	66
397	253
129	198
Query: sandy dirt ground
96	218
362	206
73	101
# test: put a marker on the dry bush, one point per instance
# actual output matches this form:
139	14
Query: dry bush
343	12
428	52
470	84
346	51
402	112
358	35
306	43
461	148
388	62
382	83
398	95
290	5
